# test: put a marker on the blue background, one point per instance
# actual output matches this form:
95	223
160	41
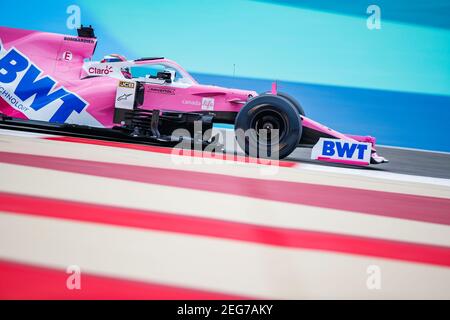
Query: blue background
393	83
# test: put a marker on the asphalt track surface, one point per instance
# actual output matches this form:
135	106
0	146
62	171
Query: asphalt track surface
404	161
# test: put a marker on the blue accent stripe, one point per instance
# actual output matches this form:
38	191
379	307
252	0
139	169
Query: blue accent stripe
395	118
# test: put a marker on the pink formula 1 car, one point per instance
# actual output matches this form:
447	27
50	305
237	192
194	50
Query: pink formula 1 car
48	82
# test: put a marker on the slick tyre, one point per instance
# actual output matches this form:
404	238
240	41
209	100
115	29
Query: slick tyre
294	102
268	126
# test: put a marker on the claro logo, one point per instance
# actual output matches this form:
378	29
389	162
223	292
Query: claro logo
101	71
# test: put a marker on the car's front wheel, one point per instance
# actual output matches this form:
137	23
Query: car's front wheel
294	102
268	126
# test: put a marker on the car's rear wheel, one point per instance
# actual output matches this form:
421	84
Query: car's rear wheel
268	126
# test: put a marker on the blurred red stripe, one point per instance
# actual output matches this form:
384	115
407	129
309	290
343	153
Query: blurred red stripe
151	220
165	150
20	281
404	206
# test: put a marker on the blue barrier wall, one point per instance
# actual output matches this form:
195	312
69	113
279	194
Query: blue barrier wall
392	82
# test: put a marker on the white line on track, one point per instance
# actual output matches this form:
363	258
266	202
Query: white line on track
414	149
376	174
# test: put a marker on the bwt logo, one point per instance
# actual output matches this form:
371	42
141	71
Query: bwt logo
26	90
338	149
343	149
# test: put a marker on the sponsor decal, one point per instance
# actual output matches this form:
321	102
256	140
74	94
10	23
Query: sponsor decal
27	89
338	150
84	40
106	70
14	102
161	90
124	97
208	104
126	84
67	56
192	102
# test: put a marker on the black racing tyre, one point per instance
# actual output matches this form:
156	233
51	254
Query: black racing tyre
293	101
281	121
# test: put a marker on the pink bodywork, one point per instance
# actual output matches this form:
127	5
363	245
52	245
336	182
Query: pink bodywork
51	53
64	59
